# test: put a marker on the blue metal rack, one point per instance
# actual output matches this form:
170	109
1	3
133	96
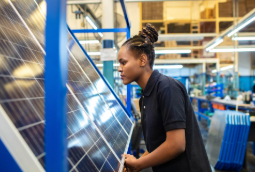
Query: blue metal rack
217	90
56	64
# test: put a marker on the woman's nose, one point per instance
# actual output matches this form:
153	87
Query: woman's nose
120	69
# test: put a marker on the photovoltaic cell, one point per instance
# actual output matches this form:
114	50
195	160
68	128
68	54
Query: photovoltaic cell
98	127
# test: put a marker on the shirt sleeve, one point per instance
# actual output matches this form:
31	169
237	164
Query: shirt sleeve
171	101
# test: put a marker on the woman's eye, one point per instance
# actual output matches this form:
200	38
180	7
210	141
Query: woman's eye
124	63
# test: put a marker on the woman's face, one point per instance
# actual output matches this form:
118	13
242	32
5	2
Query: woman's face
130	66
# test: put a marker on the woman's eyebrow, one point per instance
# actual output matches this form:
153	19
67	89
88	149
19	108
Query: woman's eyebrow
120	60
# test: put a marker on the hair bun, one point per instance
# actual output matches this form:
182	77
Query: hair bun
150	32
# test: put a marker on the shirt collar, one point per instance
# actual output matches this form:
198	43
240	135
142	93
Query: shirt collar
151	83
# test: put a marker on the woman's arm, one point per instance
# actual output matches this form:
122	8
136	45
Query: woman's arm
144	154
173	146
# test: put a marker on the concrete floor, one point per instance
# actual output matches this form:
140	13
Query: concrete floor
250	158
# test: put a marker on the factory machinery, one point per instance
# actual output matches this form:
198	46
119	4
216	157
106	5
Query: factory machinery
98	126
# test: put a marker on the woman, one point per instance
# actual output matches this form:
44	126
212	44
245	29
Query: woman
170	129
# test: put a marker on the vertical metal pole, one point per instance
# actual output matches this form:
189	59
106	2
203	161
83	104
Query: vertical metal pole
129	85
56	65
236	77
199	108
108	39
218	73
204	79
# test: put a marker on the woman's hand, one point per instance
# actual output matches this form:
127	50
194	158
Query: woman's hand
131	163
126	169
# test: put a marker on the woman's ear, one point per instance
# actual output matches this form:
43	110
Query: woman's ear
143	60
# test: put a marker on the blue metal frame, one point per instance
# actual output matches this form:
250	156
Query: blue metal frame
123	5
200	113
98	71
7	162
99	30
127	30
56	67
217	90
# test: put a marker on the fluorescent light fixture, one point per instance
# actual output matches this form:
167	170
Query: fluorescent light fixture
220	40
93	25
226	67
214	71
91	22
115	65
172	51
94	53
233	50
99	65
241	27
243	38
223	68
167	66
89	42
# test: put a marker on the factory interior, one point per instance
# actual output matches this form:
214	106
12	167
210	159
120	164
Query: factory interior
64	105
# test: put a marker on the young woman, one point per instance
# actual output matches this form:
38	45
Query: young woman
170	129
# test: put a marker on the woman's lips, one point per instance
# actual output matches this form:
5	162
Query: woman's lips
122	77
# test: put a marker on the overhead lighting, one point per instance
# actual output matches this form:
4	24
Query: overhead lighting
243	38
167	66
223	68
89	42
94	53
93	25
220	40
91	22
241	27
115	65
214	71
226	67
233	50
172	51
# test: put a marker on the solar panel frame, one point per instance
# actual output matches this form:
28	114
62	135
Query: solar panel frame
31	96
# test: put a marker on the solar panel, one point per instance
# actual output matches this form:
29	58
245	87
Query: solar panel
98	127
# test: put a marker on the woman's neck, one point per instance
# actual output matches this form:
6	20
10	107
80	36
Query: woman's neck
144	78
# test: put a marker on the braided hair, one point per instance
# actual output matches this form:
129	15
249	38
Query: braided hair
143	43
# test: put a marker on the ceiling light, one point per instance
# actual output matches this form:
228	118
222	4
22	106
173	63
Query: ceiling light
172	51
91	22
93	25
214	71
167	66
89	42
220	40
226	67
115	65
223	68
94	53
233	50
243	38
241	27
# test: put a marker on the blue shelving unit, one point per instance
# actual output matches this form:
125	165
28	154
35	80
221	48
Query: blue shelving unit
216	90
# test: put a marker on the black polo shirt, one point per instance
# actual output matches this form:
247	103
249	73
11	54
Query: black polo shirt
165	106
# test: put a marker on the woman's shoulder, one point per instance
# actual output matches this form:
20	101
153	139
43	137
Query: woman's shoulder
167	82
